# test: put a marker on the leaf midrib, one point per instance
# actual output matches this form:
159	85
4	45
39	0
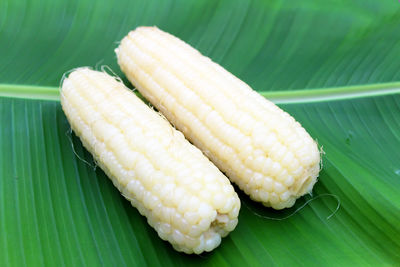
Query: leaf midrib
278	97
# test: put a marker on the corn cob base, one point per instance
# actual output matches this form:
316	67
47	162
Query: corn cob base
185	198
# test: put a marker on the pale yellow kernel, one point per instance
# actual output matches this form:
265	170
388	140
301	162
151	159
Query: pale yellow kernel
308	160
259	135
143	168
133	201
212	187
184	173
240	171
258	163
204	224
280	205
274	198
290	140
274	150
206	195
219	200
227	189
245	122
192	217
282	175
204	112
268	184
213	119
191	242
270	139
267	166
104	130
303	152
285	132
315	152
153	202
288	181
298	171
211	243
279	188
228	206
290	202
194	203
157	189
139	192
184	226
147	199
209	178
89	116
141	208
165	228
168	179
117	142
235	138
234	212
204	210
287	159
257	180
231	225
157	177
167	215
128	128
131	187
294	165
285	196
169	192
153	221
255	195
194	231
296	145
264	195
149	181
227	153
242	142
177	236
178	195
258	153
200	247
196	186
275	169
249	160
246	152
246	187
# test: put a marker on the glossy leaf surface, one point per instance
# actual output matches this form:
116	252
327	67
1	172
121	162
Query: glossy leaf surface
57	210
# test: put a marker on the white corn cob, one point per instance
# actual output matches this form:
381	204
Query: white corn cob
184	196
259	146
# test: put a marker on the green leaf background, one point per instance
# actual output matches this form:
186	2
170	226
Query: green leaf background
333	64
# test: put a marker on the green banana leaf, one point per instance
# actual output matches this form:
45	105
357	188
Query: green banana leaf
333	64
